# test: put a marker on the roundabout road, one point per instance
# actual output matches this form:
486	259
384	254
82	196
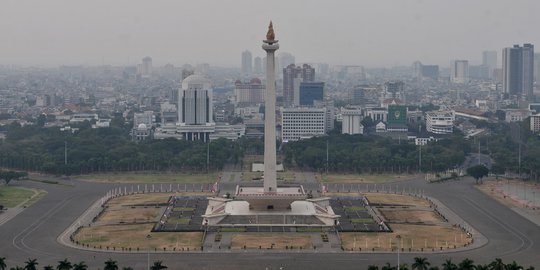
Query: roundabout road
33	234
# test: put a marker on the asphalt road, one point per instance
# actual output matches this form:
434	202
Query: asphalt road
33	233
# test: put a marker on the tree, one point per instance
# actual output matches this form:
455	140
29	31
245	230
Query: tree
387	266
420	263
16	268
64	265
80	266
478	172
158	266
403	266
7	176
497	264
3	263
466	264
31	264
513	266
372	267
482	267
48	267
127	268
449	265
110	265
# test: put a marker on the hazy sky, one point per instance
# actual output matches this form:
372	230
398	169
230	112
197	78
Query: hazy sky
374	33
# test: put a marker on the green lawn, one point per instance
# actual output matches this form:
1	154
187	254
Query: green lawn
249	176
286	176
178	220
362	220
351	209
13	196
181	209
149	178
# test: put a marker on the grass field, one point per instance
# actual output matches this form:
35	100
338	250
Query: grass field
410	215
13	196
279	241
129	215
364	178
249	176
149	178
286	176
116	233
141	199
395	199
137	236
412	236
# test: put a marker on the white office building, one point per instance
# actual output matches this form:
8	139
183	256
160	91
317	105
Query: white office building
195	109
351	123
440	122
302	123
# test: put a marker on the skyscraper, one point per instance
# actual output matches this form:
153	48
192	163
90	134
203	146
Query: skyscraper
146	67
195	109
247	63
489	59
285	59
257	65
518	70
537	67
290	73
460	71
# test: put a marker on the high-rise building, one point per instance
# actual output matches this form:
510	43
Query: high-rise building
357	95
479	72
310	92
146	67
489	60
251	92
518	70
257	65
285	59
247	64
195	108
290	73
460	71
430	71
537	68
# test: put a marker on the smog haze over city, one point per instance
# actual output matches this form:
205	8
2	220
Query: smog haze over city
370	33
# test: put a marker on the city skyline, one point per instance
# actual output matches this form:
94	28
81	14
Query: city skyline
370	33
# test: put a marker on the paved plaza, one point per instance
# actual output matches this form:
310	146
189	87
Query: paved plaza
33	234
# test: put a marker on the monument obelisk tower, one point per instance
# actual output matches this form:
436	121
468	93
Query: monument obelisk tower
270	45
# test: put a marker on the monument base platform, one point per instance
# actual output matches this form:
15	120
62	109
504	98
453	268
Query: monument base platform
253	207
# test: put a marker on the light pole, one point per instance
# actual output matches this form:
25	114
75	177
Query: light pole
398	237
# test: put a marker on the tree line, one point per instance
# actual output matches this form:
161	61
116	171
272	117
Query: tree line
49	150
374	154
421	263
32	264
